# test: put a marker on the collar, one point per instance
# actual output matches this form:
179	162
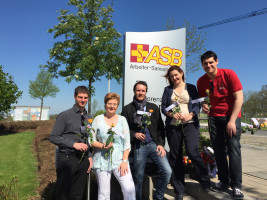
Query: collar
77	110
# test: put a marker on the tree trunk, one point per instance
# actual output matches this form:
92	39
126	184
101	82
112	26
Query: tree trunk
42	101
89	97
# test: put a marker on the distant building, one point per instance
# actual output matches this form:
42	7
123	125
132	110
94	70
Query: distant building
264	87
30	113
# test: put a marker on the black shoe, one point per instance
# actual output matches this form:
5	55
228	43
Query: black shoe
208	189
237	194
179	197
221	186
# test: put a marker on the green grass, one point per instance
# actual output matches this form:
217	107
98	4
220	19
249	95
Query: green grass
17	159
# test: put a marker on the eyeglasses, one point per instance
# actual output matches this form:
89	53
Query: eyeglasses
211	87
112	104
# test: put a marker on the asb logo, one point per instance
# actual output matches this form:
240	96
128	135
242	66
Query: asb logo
139	52
165	56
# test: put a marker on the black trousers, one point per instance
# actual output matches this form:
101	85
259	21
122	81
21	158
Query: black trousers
189	133
223	145
71	176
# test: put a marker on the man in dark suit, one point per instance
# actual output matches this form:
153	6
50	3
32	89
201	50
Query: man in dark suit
147	139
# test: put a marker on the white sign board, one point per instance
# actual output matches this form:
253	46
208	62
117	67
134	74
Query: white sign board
147	57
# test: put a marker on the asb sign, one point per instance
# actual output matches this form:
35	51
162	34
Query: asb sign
164	56
147	57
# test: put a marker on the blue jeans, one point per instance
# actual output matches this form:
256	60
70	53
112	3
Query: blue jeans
141	153
223	144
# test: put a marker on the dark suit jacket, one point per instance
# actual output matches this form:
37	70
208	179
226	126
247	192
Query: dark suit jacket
166	101
156	128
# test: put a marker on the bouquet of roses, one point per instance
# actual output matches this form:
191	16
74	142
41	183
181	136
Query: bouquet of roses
109	140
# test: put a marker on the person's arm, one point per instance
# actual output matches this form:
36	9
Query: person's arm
123	168
125	113
57	131
231	126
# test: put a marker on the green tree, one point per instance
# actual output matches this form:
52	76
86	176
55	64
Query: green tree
194	44
254	104
88	45
43	87
9	92
95	106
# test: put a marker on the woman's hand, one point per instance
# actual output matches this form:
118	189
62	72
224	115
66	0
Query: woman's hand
107	147
123	168
90	164
186	118
177	116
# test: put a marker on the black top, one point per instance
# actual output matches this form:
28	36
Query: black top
67	128
156	128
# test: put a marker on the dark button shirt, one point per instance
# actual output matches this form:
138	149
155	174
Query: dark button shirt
67	128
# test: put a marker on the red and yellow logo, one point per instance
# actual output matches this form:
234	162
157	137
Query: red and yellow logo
139	52
165	56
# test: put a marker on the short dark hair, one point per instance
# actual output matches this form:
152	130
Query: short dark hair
208	54
141	83
174	67
81	89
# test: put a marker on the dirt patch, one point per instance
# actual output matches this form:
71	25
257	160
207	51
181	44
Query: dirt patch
45	152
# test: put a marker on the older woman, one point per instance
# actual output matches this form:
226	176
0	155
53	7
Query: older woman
182	126
115	161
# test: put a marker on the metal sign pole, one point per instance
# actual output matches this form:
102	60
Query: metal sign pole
88	186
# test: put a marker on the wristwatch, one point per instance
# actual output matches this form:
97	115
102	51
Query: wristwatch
124	160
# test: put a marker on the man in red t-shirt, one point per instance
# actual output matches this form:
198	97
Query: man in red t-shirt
226	98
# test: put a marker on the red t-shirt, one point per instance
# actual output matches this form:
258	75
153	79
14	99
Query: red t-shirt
225	84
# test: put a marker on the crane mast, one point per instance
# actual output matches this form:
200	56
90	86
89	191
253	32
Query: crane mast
252	14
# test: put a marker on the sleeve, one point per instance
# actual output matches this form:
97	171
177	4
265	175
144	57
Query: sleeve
125	114
126	132
164	101
57	131
160	128
234	81
194	95
94	126
200	89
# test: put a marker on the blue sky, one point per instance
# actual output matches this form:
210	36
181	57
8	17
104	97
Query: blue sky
240	45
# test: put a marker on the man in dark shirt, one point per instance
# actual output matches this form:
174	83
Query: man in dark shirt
74	159
147	143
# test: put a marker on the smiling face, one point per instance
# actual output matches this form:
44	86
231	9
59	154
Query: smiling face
210	66
140	92
111	106
81	100
176	77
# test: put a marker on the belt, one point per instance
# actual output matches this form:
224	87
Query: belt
73	152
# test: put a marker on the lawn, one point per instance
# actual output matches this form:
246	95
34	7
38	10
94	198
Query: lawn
17	159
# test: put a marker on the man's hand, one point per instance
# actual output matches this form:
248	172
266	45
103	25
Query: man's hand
140	136
231	128
80	147
123	168
161	151
90	164
205	108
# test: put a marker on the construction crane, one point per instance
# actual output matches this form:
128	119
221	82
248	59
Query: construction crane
252	14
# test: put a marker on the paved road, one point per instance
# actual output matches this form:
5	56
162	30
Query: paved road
257	132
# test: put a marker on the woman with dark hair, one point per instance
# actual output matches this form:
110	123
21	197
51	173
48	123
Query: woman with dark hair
182	125
112	157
